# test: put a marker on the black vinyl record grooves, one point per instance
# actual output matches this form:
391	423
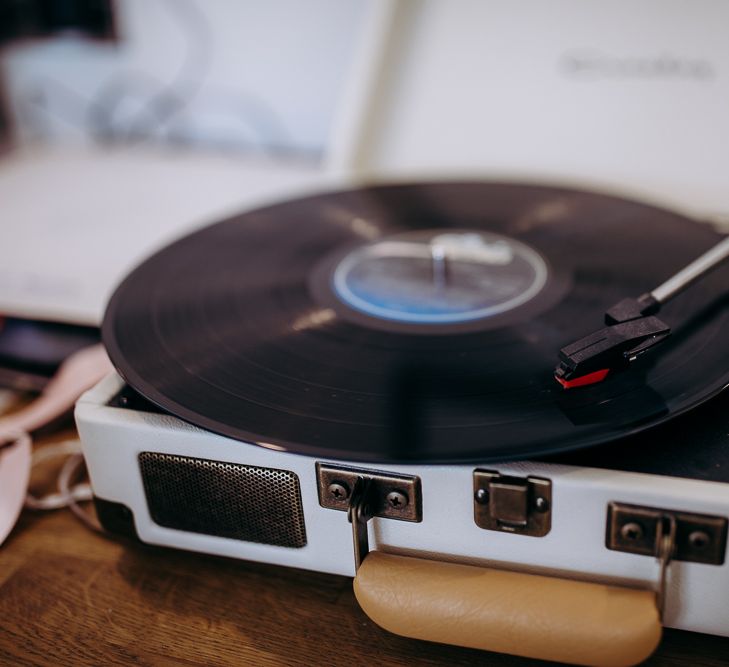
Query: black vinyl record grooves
418	323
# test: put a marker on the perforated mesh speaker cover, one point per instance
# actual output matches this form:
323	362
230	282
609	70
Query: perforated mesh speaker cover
224	499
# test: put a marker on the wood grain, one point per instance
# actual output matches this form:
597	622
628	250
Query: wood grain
71	597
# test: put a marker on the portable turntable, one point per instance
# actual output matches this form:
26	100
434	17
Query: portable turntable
362	382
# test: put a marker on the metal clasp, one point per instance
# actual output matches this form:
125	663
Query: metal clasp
520	505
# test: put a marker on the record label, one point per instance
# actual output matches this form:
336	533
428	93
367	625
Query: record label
439	277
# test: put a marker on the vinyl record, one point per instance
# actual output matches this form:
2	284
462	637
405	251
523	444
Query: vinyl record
418	322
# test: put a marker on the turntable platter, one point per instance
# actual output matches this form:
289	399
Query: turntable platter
417	322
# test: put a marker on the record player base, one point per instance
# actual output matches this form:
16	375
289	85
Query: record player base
573	548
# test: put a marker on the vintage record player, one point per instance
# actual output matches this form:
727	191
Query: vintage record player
363	383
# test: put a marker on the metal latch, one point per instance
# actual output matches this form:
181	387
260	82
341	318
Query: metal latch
365	494
521	505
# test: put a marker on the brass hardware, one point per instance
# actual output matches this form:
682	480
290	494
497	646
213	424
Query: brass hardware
666	547
359	513
481	496
364	494
397	500
632	531
520	505
391	496
338	491
699	538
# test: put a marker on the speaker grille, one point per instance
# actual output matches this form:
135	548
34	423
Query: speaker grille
224	499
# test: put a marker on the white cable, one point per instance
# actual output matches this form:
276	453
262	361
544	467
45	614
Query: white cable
55	501
67	496
69	470
63	448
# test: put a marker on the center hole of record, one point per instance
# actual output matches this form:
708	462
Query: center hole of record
439	276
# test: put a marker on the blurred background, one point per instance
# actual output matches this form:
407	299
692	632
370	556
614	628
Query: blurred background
126	123
235	77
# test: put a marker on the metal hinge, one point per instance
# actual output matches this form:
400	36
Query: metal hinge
699	538
667	535
365	494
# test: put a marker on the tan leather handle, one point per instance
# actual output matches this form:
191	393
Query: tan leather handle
528	615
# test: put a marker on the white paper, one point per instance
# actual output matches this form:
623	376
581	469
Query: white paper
74	221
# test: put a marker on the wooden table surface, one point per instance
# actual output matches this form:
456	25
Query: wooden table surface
69	596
